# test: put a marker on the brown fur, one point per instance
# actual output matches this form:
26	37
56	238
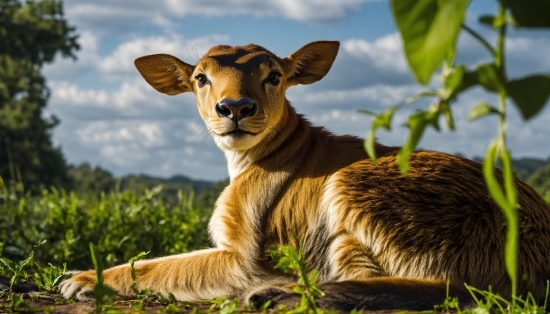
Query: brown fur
379	239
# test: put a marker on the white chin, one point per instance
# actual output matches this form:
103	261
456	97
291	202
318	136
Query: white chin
241	142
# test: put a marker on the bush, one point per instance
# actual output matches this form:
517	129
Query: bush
120	224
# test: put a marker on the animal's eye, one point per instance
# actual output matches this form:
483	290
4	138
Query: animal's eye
201	79
273	77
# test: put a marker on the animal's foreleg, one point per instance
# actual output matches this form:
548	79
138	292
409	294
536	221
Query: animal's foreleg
203	274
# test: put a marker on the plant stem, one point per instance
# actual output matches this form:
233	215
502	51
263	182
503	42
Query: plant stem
512	239
479	38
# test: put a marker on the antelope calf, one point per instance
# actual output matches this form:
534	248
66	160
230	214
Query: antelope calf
379	239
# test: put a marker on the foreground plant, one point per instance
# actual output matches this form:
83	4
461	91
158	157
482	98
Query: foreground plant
290	260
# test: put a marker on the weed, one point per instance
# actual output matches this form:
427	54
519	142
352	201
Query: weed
17	269
290	260
49	278
143	294
102	292
450	303
17	303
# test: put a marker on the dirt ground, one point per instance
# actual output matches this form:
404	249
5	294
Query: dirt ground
41	303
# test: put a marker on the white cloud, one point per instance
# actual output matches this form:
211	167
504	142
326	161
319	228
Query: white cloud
87	59
122	15
361	63
384	53
161	147
305	10
376	97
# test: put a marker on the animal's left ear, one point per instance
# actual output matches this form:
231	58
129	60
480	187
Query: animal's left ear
167	74
311	62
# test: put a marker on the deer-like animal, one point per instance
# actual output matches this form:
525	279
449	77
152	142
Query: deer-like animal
379	239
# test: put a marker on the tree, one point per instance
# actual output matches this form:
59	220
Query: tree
88	179
32	34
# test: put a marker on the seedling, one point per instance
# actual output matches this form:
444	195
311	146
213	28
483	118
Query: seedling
102	292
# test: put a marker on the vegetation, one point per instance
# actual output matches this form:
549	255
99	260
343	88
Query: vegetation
120	224
36	32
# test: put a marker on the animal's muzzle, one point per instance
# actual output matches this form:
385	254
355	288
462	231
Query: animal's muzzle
236	109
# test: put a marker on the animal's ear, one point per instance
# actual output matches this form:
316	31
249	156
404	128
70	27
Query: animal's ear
167	74
311	62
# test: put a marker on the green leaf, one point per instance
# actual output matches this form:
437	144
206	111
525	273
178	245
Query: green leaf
512	234
429	29
96	261
458	81
381	120
12	266
491	20
509	184
481	110
493	185
530	93
529	13
134	259
417	123
490	78
446	110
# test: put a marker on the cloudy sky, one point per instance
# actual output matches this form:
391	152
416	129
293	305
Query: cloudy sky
111	118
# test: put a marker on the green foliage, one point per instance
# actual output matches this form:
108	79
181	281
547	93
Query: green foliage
48	278
540	180
122	224
32	33
86	179
290	260
102	292
429	29
17	268
488	302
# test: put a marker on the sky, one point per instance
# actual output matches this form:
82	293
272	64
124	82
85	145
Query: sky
111	118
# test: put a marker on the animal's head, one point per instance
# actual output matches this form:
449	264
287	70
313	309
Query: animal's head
240	90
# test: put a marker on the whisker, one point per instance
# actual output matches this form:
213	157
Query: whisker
275	52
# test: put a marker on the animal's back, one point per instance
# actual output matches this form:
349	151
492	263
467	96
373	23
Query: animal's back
438	221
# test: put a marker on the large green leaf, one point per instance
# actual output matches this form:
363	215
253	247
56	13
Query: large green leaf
529	13
530	93
429	29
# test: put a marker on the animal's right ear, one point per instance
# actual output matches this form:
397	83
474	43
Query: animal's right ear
167	74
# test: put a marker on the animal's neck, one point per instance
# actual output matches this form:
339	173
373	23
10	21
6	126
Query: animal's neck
279	146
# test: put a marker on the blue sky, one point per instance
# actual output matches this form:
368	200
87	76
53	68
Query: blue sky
110	117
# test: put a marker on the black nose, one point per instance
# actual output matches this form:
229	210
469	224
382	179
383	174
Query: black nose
236	109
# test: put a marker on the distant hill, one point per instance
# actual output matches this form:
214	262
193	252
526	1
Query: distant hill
178	182
88	179
533	171
524	167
